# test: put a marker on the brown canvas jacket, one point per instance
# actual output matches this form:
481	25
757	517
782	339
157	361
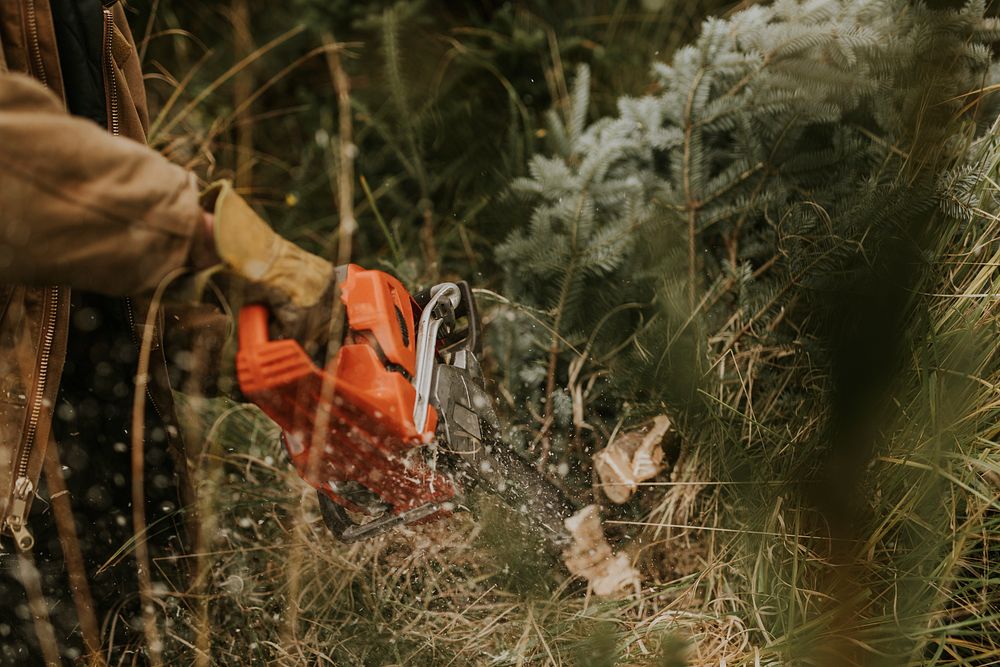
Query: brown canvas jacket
79	208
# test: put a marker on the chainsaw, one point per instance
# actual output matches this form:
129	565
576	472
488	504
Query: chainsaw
398	428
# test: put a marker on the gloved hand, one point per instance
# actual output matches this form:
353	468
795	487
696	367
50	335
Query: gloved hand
310	326
251	249
297	285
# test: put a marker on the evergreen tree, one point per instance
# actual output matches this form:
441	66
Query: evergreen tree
774	144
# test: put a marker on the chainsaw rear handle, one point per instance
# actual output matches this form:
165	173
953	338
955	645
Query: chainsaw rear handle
253	322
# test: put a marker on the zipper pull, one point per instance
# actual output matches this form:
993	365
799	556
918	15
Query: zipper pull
17	518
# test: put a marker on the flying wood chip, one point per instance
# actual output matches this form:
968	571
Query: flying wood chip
590	556
631	458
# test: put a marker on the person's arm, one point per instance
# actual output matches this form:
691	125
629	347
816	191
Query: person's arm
82	208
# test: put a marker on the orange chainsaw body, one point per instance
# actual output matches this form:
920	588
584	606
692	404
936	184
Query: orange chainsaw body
371	439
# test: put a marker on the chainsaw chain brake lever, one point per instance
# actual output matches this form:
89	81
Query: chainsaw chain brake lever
463	310
438	312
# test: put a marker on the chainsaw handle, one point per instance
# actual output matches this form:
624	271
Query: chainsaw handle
253	326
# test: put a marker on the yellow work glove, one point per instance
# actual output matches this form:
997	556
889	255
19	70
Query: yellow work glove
251	249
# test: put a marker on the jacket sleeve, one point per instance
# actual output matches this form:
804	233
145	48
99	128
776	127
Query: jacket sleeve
82	208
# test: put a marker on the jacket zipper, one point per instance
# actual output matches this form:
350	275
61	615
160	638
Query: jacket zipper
36	50
23	488
109	29
115	129
16	521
